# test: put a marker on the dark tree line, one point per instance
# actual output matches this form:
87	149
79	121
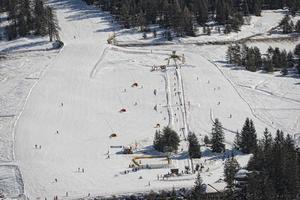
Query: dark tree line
182	15
287	25
274	170
274	59
30	17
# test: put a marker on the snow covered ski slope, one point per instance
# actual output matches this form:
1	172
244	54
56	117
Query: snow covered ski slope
63	144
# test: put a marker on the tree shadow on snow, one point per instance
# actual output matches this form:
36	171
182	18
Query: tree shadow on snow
22	46
209	155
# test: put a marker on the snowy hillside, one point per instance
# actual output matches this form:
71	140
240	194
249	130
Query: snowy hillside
61	108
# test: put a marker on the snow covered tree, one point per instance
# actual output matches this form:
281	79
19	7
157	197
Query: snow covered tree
217	139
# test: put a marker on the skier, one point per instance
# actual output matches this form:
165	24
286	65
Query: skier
55	180
67	194
62	104
82	170
40	147
36	146
57	132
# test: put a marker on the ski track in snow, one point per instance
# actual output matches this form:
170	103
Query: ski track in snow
72	78
240	95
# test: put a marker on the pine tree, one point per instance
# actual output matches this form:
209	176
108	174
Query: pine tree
40	15
236	21
200	10
12	16
52	24
223	8
297	26
248	137
286	25
275	168
290	161
231	167
158	142
194	148
188	26
234	54
206	140
237	140
290	59
199	188
168	141
297	50
217	139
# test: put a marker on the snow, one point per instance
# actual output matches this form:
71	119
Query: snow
69	103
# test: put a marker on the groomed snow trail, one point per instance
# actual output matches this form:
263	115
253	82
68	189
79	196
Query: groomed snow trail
73	109
66	81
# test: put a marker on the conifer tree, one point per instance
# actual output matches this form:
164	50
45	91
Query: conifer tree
194	148
231	167
297	50
206	140
168	141
286	25
40	15
248	137
297	26
237	140
199	188
217	139
52	24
